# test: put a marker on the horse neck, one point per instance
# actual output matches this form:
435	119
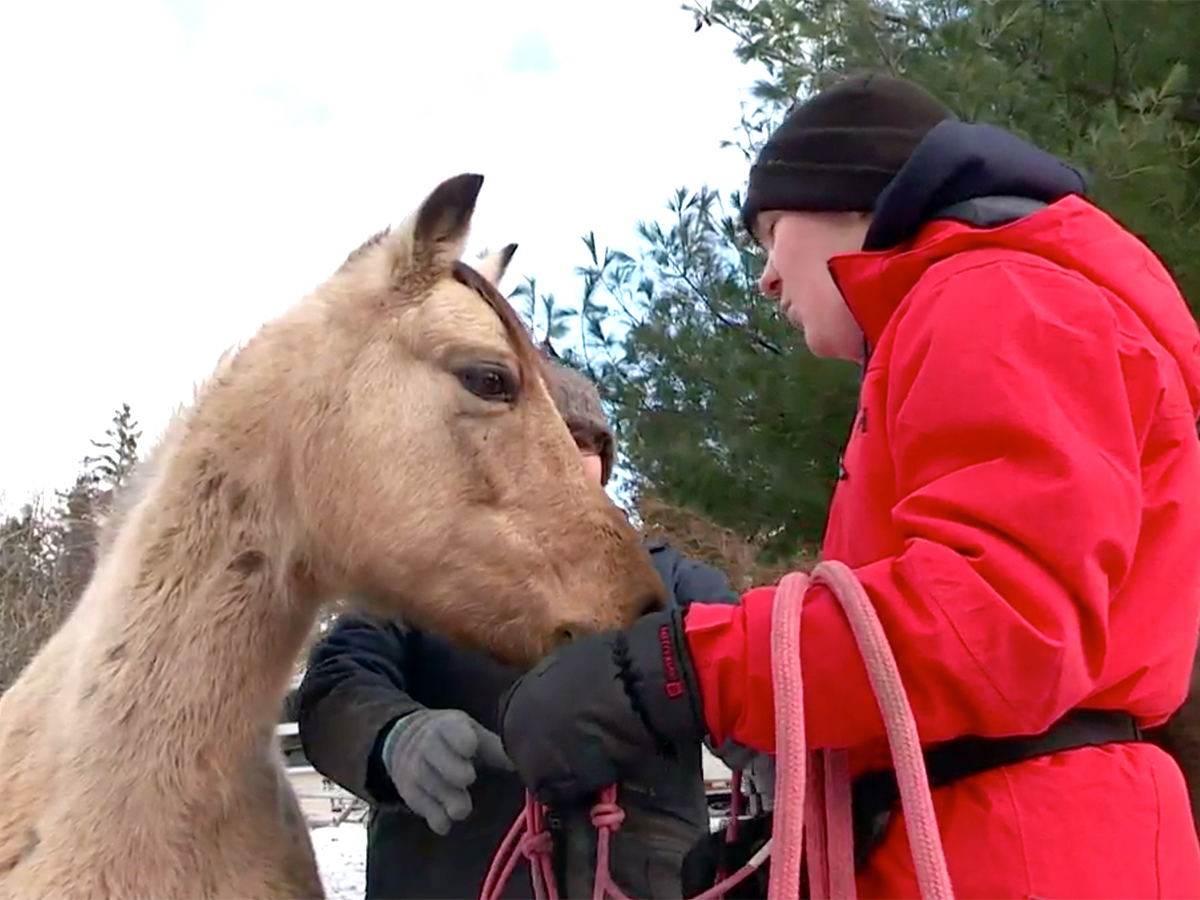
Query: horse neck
194	622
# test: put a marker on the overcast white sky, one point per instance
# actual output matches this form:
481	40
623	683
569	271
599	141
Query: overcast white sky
174	172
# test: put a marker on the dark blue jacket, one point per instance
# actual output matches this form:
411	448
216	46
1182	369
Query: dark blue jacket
366	673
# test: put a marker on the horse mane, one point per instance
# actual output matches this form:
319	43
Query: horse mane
141	475
362	248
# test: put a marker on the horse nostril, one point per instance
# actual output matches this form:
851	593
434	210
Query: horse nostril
564	635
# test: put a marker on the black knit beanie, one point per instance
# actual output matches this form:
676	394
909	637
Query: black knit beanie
837	151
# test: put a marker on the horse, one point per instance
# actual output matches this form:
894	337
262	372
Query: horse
389	436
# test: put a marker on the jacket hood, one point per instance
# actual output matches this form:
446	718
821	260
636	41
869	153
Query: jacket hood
960	162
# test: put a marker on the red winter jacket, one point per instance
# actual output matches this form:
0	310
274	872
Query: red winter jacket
1021	500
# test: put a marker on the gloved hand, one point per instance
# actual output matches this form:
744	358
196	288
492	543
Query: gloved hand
431	756
736	756
761	773
711	854
583	717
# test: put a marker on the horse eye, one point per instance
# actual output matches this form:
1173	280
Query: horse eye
489	382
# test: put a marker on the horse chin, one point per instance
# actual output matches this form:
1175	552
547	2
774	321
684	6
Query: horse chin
525	650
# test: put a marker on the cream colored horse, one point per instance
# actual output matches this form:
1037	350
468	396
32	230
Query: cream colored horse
389	436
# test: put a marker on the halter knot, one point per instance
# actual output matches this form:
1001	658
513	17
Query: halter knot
607	814
536	843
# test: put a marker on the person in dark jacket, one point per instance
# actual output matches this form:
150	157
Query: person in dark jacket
406	720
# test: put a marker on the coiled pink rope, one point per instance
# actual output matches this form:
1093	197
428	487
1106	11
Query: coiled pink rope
811	788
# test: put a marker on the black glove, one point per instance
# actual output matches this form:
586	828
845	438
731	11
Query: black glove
584	716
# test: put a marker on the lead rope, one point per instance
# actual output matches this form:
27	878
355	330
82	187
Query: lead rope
812	787
735	811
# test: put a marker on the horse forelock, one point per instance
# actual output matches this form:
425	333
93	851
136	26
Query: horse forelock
528	359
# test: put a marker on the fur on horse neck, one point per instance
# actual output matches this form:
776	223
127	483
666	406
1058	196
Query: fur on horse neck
196	616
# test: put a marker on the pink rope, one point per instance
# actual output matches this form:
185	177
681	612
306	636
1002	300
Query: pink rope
929	861
812	787
731	830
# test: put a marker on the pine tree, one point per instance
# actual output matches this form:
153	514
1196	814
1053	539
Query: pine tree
48	553
118	451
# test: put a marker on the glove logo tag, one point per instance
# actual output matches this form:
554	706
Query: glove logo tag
674	685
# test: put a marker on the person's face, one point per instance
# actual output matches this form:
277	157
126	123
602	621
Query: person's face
799	246
593	466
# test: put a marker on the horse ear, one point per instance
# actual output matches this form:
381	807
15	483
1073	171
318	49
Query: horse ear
492	266
436	233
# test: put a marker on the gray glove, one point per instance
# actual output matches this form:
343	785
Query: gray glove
762	773
431	756
757	768
733	754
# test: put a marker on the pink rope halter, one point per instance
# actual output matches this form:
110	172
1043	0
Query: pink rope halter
812	788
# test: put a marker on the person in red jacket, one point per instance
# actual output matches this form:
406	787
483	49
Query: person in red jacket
1019	495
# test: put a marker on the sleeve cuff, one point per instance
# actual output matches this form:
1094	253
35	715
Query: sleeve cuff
731	655
378	783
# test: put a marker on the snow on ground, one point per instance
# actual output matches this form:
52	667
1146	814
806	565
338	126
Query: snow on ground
342	857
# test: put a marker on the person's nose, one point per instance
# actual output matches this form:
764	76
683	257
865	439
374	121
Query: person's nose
769	282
